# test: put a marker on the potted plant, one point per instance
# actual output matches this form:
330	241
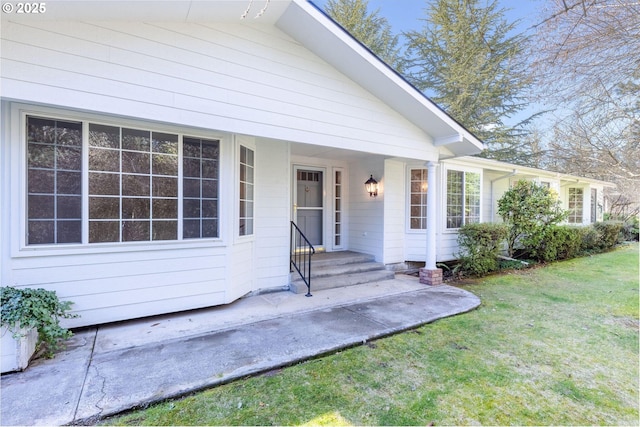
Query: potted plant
30	320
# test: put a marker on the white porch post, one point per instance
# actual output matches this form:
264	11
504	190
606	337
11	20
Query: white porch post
430	275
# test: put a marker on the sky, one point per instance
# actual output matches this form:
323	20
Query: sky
404	15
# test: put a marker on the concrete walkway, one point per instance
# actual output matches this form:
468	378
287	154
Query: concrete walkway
109	369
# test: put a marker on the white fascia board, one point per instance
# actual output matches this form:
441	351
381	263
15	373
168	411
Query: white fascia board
526	170
574	179
313	29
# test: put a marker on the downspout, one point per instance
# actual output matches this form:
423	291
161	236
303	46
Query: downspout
509	175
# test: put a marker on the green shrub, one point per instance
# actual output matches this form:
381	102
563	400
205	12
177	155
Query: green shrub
559	242
35	308
590	239
631	229
609	233
529	210
480	246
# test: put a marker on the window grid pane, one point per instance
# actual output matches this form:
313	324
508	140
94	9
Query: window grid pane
575	205
472	198
54	184
418	199
463	198
337	237
455	198
246	191
132	182
200	188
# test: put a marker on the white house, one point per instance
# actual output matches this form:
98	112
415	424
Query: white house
154	154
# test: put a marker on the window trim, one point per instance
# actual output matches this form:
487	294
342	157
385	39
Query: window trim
17	172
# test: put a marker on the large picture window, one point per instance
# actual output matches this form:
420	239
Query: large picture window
463	198
133	180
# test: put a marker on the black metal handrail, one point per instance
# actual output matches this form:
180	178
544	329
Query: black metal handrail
301	252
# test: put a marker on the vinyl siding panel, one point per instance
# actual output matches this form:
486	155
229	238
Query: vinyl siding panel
242	268
366	214
246	79
112	287
272	211
395	202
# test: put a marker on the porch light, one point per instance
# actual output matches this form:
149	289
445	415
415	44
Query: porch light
371	186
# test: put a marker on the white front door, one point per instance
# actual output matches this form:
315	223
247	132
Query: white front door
308	202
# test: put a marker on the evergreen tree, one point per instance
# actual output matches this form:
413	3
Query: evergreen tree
465	59
370	29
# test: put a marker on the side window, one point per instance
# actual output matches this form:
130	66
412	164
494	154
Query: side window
54	181
246	191
575	205
338	186
463	198
418	199
201	170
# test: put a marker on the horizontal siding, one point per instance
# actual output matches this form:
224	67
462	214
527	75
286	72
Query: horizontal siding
415	246
366	214
273	207
446	246
242	269
147	307
394	211
30	271
111	287
492	192
245	79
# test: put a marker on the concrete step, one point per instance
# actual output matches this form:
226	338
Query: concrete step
339	269
329	282
325	259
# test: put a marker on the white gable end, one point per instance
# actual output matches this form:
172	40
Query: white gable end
237	78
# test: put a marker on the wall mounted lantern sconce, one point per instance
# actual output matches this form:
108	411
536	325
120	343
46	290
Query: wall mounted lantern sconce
371	185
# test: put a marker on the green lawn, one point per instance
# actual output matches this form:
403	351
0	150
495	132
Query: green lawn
553	345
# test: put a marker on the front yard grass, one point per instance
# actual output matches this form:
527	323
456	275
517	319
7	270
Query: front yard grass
553	345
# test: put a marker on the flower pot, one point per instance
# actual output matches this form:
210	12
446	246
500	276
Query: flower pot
16	352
